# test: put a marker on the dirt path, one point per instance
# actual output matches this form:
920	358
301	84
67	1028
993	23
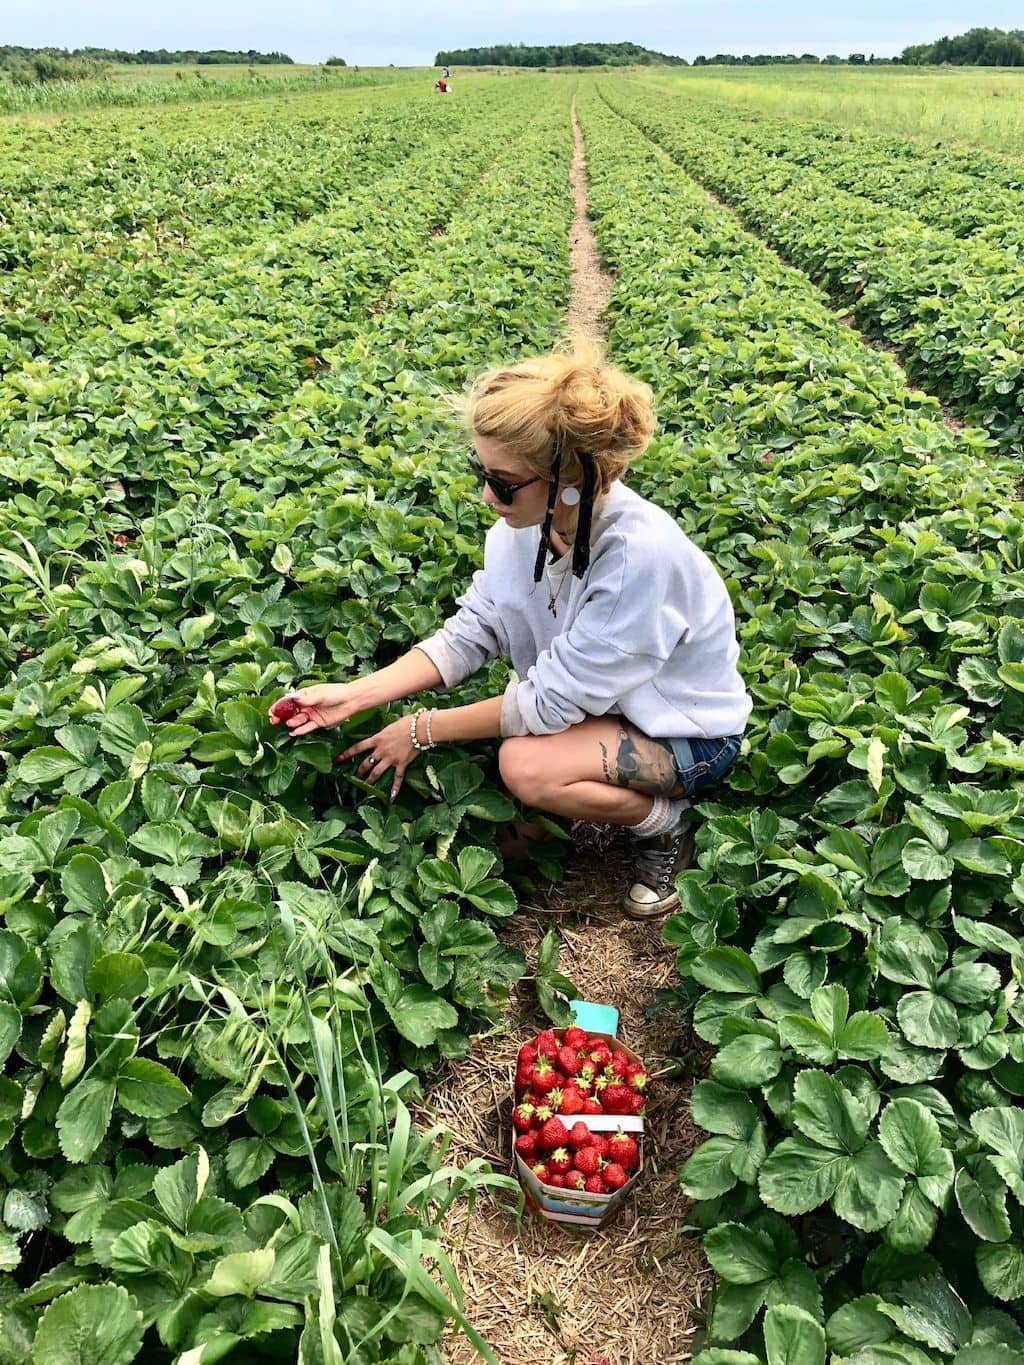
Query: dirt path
536	1291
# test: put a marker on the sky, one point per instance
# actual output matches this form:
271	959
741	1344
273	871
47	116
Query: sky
410	32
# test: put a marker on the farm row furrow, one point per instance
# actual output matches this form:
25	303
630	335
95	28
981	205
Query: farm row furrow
218	945
850	944
952	308
963	194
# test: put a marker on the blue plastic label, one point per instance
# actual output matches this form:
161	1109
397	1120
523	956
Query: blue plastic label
595	1018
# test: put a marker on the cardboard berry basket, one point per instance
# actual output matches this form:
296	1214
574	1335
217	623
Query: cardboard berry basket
577	1207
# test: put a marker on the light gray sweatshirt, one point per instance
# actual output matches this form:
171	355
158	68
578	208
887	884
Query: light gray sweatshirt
648	632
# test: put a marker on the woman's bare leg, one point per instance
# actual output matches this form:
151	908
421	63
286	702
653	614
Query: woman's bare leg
603	769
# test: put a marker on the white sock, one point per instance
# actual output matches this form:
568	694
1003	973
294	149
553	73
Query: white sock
663	815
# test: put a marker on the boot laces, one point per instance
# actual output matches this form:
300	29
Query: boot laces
656	859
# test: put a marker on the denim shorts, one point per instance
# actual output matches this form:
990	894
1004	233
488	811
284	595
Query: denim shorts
701	762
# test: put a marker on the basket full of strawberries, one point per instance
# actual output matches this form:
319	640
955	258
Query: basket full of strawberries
578	1122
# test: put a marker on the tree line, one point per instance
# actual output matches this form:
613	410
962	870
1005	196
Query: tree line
568	54
976	47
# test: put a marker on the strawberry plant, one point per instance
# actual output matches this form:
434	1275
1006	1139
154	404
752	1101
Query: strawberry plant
849	944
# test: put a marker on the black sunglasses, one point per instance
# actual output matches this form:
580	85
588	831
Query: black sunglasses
503	491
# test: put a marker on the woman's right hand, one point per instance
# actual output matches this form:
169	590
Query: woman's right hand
319	706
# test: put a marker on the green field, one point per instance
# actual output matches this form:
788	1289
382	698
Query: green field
228	967
980	107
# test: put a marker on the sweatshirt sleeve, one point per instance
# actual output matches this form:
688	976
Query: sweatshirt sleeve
632	620
470	638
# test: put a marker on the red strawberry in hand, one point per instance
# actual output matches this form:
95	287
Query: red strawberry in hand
284	709
553	1134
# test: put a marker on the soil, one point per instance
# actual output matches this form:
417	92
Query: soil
537	1291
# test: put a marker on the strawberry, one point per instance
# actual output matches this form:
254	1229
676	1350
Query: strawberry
553	1134
572	1100
617	1099
600	1144
592	1106
547	1044
559	1161
575	1038
620	1064
526	1147
595	1185
614	1176
543	1076
570	1061
637	1102
576	1180
640	1078
601	1055
527	1055
579	1136
584	1078
522	1117
587	1161
540	1170
284	709
524	1077
623	1150
542	1112
557	1179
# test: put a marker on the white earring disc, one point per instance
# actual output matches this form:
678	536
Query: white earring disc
570	496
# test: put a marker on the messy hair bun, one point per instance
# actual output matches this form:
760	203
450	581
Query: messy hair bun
571	396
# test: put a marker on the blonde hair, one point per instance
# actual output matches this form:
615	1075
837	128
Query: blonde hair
571	396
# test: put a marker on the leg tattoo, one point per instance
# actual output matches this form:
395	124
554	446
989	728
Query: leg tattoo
641	763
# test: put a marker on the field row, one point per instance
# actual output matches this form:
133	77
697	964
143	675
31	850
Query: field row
850	943
950	306
217	942
964	193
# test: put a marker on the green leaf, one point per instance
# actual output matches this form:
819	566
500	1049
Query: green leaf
708	1172
10	1028
419	1014
858	1324
91	1325
928	1020
826	1112
869	1189
83	1118
720	1109
793	1337
931	1313
809	1038
1001	1267
747	1061
981	1195
725	968
83	884
740	1255
925	863
48	764
798	1175
149	1089
241	1272
118	976
910	1136
914	1223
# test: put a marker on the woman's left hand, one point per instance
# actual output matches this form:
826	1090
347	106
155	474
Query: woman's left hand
391	747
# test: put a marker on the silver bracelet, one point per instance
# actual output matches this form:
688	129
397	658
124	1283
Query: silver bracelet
430	737
421	748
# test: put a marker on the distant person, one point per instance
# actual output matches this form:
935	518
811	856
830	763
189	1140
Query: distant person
445	72
441	85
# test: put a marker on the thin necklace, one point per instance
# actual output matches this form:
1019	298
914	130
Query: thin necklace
553	595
